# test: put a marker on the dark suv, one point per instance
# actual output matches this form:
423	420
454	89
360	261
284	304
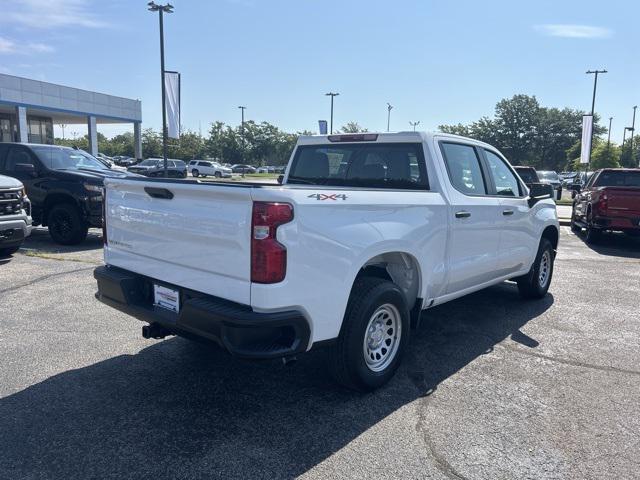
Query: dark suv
63	184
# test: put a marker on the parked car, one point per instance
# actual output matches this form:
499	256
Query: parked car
552	178
63	184
528	174
203	168
15	215
239	168
346	260
610	201
154	167
124	161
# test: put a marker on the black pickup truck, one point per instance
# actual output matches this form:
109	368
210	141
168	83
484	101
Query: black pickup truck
63	184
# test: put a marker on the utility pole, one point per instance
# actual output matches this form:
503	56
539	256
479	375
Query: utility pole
633	131
593	107
331	94
389	107
414	124
242	109
609	134
162	9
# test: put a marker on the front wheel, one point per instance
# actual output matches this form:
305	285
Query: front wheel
195	173
535	284
574	227
374	334
66	227
217	175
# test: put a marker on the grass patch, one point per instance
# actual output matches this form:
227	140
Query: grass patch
58	257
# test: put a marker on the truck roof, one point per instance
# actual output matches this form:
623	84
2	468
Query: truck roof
383	137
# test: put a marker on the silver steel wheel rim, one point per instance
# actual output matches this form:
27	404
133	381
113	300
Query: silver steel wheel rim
382	337
545	266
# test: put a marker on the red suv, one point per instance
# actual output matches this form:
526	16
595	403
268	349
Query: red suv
610	201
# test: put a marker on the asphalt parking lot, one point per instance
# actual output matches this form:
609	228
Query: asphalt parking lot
492	386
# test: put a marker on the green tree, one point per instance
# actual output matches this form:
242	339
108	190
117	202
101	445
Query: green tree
352	127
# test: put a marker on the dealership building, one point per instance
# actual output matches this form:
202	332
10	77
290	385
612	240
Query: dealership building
30	108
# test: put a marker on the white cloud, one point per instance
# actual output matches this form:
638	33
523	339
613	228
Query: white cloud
49	14
8	46
573	31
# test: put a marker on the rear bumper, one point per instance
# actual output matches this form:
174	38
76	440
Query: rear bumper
618	223
235	327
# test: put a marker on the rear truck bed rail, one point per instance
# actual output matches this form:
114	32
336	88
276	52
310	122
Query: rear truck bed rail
235	327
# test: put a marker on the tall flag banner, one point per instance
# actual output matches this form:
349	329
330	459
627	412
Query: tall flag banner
585	148
172	103
322	126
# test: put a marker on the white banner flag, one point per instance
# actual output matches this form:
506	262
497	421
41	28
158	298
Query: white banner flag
172	102
322	126
585	148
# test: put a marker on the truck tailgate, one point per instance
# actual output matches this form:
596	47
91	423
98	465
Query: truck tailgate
624	200
199	238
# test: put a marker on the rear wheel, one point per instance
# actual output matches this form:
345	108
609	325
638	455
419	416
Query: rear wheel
66	226
195	172
535	284
593	234
373	337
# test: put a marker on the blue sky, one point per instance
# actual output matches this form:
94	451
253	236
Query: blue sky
435	61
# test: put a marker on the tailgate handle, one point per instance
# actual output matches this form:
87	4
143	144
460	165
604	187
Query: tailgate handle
159	192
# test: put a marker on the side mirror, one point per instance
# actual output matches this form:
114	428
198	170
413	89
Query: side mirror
539	191
27	168
573	194
280	179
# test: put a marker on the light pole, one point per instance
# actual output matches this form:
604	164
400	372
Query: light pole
63	126
609	133
633	130
331	94
162	9
593	106
414	124
389	107
242	109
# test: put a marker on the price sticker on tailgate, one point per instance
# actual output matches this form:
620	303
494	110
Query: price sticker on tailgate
166	298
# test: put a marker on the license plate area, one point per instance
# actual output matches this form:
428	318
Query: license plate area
166	298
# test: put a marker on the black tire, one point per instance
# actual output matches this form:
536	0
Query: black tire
532	284
195	173
66	226
347	356
5	252
217	175
593	233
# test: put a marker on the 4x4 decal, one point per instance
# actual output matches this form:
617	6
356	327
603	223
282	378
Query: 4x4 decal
333	196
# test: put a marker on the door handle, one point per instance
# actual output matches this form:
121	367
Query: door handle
159	192
463	214
507	212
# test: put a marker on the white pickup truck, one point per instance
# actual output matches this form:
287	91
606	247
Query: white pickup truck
364	232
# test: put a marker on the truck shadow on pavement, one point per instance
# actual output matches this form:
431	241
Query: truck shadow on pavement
40	241
181	409
614	245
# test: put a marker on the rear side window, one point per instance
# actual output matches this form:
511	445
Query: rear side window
387	165
463	166
618	178
204	164
504	179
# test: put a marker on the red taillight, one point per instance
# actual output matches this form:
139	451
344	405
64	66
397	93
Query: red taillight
602	204
104	216
268	256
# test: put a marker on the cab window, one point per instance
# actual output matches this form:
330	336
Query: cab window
504	179
463	166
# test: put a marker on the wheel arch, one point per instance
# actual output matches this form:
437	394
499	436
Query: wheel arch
552	234
56	199
400	267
